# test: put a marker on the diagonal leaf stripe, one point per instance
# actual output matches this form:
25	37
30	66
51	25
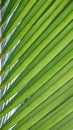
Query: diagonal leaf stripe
23	112
64	123
41	37
36	74
59	66
8	12
44	26
46	41
19	13
25	78
9	9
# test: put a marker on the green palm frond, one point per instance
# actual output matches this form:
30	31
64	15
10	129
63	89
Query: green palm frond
36	90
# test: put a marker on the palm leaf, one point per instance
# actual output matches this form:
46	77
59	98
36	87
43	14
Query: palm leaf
36	90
